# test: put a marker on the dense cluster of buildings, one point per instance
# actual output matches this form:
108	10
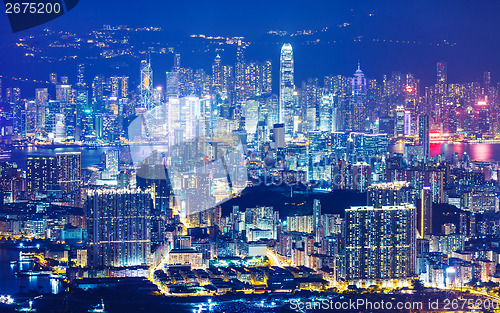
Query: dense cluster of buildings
153	202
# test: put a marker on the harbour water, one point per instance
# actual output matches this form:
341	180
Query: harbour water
476	151
11	284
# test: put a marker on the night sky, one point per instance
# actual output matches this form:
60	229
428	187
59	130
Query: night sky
473	25
454	19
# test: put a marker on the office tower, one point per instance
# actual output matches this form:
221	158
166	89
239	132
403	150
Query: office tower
69	172
251	117
267	78
389	194
425	213
16	94
112	158
115	86
441	83
97	90
202	83
64	94
82	106
399	123
252	81
118	222
41	97
239	76
19	118
64	80
124	87
423	134
80	82
358	99
327	113
442	72
486	80
407	123
172	86
41	174
228	80
31	118
146	84
217	74
380	242
177	62
411	102
53	78
309	105
186	86
52	110
278	136
286	87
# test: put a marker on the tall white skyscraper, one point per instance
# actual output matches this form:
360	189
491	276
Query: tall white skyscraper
286	87
358	101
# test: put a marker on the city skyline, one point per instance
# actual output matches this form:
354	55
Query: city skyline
350	153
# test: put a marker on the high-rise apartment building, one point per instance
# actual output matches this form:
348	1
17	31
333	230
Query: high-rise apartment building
118	227
380	242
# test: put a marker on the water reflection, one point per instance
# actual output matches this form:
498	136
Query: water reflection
11	284
476	151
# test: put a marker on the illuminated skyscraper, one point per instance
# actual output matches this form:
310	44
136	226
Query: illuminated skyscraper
97	89
442	72
52	109
81	76
407	123
64	94
172	85
316	213
146	84
251	118
399	123
380	242
53	78
267	78
441	84
286	87
69	172
41	98
177	62
239	81
41	174
358	104
112	161
217	74
423	134
327	113
118	227
425	213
